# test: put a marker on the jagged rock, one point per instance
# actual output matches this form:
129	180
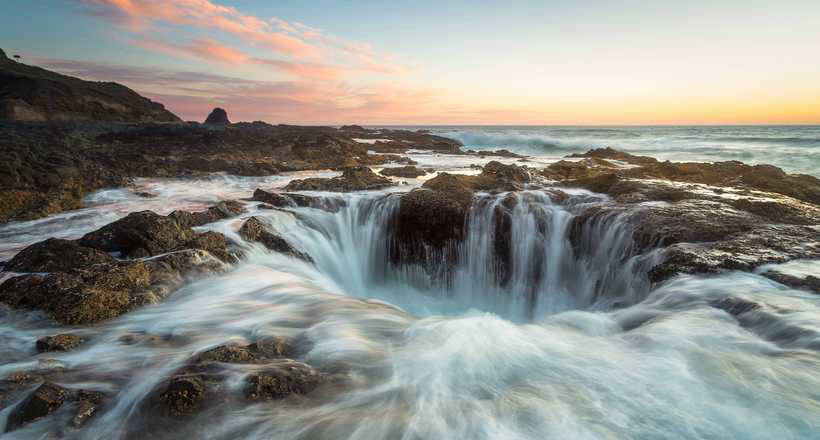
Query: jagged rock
218	116
430	221
50	397
212	242
183	396
726	174
282	379
220	211
285	200
410	172
56	254
255	230
140	234
352	179
60	342
809	282
352	128
103	291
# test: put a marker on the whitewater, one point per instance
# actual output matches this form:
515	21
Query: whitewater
574	342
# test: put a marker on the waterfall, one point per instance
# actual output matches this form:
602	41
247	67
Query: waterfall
520	257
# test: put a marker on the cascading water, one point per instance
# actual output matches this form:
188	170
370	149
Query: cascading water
517	259
561	338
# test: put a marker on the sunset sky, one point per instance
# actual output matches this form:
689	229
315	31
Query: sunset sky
455	62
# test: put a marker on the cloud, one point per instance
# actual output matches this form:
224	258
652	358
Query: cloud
138	15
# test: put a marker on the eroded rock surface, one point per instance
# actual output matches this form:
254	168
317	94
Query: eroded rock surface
352	179
255	230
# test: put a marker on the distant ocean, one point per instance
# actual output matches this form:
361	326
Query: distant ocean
796	149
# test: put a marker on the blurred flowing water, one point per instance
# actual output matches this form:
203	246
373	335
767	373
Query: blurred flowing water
567	342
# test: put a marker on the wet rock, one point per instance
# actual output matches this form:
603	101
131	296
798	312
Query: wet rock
726	174
810	283
410	172
50	397
212	242
104	291
499	153
282	379
735	306
140	234
60	342
285	200
235	354
221	211
352	179
217	116
56	254
183	396
255	230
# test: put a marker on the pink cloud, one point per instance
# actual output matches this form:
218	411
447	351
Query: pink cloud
140	14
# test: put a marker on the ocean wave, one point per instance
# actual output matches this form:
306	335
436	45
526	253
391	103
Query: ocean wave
519	142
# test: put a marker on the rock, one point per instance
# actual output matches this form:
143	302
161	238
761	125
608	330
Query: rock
282	379
29	93
286	200
352	179
220	211
255	230
236	354
726	174
218	116
735	306
104	291
410	172
809	282
56	254
183	396
50	397
212	242
140	234
352	128
500	153
60	342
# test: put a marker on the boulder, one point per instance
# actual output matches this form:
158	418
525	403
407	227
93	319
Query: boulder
88	295
183	396
54	255
409	171
60	342
255	230
810	283
352	179
50	397
139	234
217	116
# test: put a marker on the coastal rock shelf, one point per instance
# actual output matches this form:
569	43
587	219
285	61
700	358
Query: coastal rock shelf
306	295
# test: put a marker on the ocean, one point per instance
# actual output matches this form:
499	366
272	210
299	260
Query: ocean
794	148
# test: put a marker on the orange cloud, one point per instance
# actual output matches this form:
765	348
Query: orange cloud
139	14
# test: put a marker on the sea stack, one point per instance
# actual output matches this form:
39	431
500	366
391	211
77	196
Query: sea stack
218	116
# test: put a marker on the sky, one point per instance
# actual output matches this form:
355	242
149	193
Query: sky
440	62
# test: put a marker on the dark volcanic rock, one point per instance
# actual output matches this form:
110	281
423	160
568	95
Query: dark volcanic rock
409	171
221	211
810	282
60	342
54	255
49	398
103	291
285	200
140	234
282	379
184	395
352	179
255	230
29	93
218	116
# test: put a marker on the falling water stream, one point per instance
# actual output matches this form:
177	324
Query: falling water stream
567	341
